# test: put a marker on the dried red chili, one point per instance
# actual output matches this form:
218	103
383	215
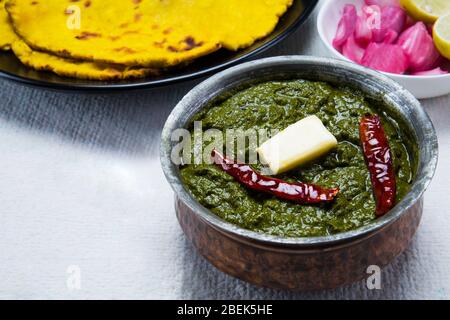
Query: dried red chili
298	192
377	154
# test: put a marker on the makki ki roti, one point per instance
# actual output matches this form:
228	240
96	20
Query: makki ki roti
151	33
242	22
75	68
7	35
62	66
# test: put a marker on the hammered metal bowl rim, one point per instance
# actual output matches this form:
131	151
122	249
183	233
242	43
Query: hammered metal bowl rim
424	174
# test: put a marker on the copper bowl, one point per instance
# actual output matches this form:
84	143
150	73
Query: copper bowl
309	263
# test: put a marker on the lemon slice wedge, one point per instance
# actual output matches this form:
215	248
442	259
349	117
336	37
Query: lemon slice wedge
441	35
426	10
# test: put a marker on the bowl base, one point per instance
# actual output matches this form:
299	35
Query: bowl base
299	268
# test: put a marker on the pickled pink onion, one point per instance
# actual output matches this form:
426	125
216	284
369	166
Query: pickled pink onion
392	19
418	46
353	50
390	37
385	57
346	26
363	29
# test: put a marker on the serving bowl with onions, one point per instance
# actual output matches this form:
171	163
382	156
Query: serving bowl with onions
421	83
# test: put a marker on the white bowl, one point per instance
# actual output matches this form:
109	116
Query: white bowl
420	86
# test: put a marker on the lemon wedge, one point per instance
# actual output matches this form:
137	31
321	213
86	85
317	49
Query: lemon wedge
426	10
441	35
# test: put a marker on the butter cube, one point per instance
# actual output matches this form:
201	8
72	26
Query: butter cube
298	144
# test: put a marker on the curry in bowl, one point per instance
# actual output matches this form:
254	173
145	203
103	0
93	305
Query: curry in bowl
343	161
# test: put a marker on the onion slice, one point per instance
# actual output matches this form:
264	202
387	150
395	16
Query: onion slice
419	47
393	18
353	50
390	37
346	26
385	57
363	31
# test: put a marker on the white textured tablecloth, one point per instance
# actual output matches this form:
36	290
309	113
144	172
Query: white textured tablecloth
81	187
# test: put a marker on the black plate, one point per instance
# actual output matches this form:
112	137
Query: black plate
12	69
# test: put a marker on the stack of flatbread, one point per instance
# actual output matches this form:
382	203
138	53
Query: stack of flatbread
119	39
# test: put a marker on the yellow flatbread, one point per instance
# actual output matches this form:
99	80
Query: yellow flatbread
151	33
7	35
62	66
75	68
240	23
